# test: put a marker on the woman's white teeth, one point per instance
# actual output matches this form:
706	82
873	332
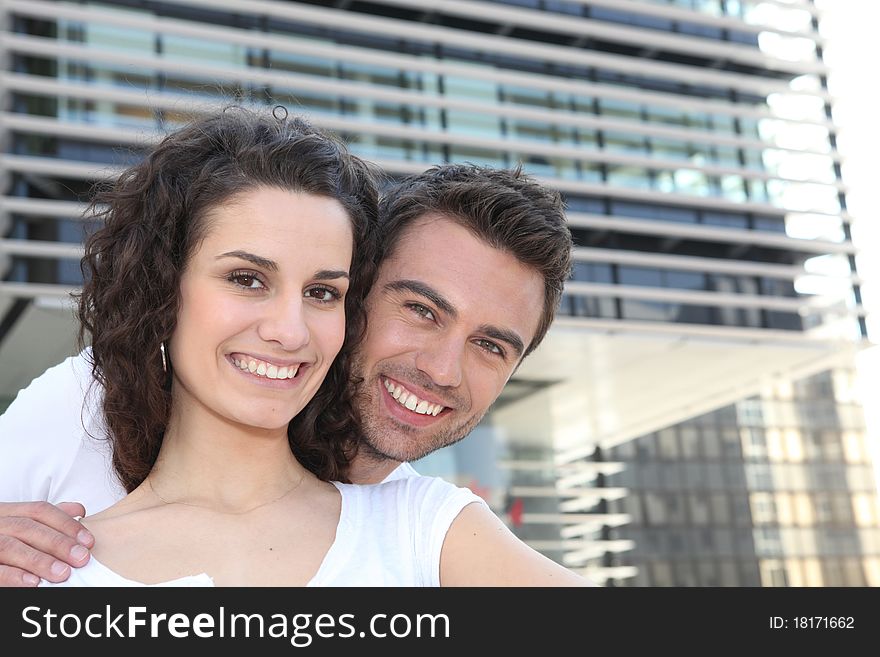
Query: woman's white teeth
268	370
413	403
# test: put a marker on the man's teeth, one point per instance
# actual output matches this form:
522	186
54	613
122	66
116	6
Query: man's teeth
267	370
405	398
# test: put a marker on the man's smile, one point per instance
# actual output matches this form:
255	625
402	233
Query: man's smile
411	400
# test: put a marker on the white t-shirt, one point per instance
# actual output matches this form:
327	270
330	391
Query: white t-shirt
52	443
389	534
49	433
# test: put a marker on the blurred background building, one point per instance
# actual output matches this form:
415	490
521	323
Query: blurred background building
691	419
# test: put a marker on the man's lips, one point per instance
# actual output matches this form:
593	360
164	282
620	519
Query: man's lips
413	417
418	402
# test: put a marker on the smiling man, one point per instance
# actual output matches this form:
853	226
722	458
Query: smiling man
473	266
436	354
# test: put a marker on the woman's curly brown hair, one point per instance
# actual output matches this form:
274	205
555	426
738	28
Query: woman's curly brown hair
154	221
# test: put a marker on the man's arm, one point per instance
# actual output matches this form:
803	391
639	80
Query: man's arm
50	450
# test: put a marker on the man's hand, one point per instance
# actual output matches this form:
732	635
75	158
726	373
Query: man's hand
41	540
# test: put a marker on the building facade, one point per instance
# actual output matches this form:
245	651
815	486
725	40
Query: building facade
691	417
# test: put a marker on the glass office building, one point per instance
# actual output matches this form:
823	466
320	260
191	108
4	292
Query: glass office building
691	418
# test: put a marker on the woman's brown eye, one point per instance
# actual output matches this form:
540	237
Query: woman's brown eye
246	280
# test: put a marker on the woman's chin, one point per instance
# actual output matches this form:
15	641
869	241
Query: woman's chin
264	422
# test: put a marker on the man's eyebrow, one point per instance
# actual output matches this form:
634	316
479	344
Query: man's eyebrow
265	263
511	338
417	287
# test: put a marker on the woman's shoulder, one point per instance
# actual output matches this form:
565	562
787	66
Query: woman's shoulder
420	498
125	512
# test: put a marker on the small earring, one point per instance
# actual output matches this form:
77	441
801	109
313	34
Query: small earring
164	359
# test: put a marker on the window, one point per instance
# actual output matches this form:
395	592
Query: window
763	508
661	573
668	444
698	508
730	443
646	448
759	476
711	442
655	509
751	413
824	513
773	573
690	442
742	516
720	509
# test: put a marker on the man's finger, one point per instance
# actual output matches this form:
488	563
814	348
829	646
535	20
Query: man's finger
73	509
42	540
39	561
11	577
77	510
59	518
17	533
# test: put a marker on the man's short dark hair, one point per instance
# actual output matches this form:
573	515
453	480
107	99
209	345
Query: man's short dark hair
506	208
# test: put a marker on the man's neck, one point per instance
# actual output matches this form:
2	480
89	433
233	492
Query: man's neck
366	470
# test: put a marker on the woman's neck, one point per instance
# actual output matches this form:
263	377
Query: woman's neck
208	461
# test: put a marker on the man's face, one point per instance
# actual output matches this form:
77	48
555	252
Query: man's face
448	320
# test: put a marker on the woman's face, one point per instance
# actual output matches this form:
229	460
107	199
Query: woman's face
261	307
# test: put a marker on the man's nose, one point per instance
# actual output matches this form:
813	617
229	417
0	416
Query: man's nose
442	360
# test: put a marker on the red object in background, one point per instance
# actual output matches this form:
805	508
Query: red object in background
515	506
481	491
516	512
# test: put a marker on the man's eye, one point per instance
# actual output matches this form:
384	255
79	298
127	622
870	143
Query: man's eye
323	294
490	346
246	279
419	309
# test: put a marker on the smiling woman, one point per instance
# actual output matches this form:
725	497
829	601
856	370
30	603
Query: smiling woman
216	298
206	235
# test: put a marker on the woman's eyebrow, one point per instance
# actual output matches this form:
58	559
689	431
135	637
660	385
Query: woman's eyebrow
259	261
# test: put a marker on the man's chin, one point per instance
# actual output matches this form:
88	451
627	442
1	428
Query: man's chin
400	442
379	452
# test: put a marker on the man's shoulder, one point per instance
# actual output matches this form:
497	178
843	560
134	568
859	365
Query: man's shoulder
409	483
402	471
53	397
73	375
51	440
405	475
